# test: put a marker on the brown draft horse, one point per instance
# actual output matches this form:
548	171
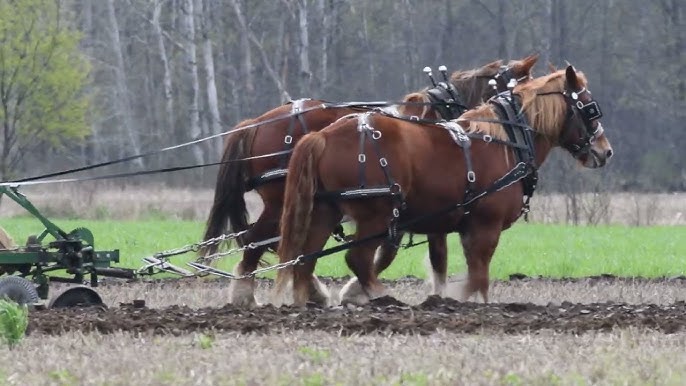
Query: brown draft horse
425	163
235	179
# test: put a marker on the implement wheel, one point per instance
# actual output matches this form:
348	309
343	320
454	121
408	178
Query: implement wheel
18	290
78	296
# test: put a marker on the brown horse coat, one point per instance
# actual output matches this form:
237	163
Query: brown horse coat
431	171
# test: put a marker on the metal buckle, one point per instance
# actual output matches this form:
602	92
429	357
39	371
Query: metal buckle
362	158
471	176
487	138
395	189
288	139
376	134
383	162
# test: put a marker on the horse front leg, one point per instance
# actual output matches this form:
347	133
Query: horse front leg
242	291
479	243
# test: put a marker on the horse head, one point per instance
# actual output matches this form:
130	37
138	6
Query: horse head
471	87
561	106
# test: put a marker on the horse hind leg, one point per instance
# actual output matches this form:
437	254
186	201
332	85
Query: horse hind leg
438	257
360	259
383	257
306	285
242	291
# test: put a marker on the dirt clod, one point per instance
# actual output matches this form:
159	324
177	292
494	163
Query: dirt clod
382	315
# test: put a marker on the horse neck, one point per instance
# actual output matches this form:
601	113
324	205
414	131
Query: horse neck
542	147
473	91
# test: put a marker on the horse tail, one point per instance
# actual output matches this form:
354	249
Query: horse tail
299	194
232	183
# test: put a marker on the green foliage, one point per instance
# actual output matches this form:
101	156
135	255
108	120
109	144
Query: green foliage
63	377
419	378
313	355
532	249
14	319
512	379
43	76
205	341
315	379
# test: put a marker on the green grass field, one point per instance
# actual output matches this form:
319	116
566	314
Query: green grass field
531	249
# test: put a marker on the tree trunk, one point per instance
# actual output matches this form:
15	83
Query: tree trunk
500	22
328	12
192	84
210	85
547	28
265	60
122	102
166	71
246	63
305	72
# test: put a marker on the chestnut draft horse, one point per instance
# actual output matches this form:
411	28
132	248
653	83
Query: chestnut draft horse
272	133
469	176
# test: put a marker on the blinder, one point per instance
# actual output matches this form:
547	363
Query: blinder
588	112
505	75
447	101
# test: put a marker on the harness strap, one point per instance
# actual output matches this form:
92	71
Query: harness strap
296	113
520	171
446	100
461	138
393	189
520	133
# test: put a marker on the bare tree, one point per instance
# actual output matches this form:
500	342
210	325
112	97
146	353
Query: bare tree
303	29
166	70
122	91
210	85
190	74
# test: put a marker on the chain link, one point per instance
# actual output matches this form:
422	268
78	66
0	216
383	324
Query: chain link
197	246
160	260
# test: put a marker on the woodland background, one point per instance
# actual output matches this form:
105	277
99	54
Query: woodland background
85	81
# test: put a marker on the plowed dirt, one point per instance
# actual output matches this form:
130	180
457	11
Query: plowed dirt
383	315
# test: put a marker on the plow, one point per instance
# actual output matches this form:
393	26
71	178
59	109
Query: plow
58	256
70	254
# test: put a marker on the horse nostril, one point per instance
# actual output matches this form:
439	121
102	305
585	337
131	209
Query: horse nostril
608	153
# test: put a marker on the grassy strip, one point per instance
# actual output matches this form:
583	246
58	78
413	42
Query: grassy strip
532	249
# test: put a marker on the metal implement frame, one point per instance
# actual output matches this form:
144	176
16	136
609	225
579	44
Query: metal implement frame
71	252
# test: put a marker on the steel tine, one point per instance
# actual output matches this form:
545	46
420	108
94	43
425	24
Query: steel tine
211	270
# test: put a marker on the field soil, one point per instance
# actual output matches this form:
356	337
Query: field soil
600	330
517	306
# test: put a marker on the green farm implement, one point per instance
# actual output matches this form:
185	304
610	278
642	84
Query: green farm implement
26	271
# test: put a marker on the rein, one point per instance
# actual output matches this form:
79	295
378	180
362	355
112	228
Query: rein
13	184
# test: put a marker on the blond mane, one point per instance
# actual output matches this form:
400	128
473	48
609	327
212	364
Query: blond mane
545	113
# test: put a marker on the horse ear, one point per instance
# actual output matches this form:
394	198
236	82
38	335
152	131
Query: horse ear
551	67
533	58
572	80
413	97
494	65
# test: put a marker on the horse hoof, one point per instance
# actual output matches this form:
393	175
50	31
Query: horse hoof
352	293
242	293
319	294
